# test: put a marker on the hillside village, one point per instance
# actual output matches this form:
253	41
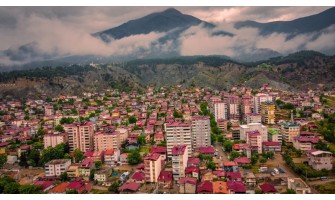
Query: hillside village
170	140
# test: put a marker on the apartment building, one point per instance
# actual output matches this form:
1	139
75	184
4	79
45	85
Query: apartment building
254	139
220	110
274	135
288	131
259	99
319	160
201	131
178	133
234	107
80	136
268	112
253	118
106	140
53	139
263	130
152	167
179	161
56	167
246	105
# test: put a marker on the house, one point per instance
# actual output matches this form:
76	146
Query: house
319	160
60	188
219	174
80	186
271	146
124	159
85	167
129	187
304	143
206	175
209	150
73	171
298	185
205	187
56	167
138	177
165	180
236	187
193	162
250	179
187	185
230	166
111	157
220	187
45	185
192	171
158	138
242	161
102	175
95	155
268	188
234	176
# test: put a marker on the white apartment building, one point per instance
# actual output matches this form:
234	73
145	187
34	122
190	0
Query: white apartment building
319	160
179	161
51	140
263	130
201	131
56	167
220	110
259	99
253	118
178	133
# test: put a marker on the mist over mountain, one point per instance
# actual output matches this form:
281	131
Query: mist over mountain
168	34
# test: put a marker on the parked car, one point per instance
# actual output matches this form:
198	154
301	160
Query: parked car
281	171
323	178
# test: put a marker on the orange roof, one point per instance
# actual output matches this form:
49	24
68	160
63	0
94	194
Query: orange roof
220	187
109	152
59	188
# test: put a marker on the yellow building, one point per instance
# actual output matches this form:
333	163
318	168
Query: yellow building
268	112
73	171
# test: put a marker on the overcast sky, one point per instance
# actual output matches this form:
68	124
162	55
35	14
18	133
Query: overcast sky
67	29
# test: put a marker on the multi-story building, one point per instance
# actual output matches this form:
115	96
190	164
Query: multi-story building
234	105
289	131
259	99
56	167
49	110
246	106
254	139
111	157
106	140
274	135
263	130
319	160
223	124
201	131
220	110
51	140
152	167
80	136
179	161
304	143
178	134
253	118
268	112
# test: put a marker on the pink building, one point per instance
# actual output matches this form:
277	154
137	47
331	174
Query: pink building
179	161
152	167
80	136
106	140
51	140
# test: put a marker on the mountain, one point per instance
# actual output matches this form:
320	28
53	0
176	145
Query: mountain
313	23
297	71
168	20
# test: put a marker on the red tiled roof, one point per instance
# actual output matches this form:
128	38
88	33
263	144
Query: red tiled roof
219	173
132	186
271	144
205	186
158	149
229	163
191	169
189	180
195	161
3	144
138	176
266	188
109	152
140	166
75	185
60	188
178	149
234	175
165	176
243	160
207	150
236	186
153	157
44	184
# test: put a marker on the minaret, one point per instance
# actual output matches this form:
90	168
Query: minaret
292	120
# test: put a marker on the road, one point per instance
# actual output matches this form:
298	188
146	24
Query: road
223	155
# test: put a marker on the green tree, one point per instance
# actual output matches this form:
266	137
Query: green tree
211	165
64	177
66	120
233	155
114	187
228	145
67	156
71	191
3	160
11	188
263	160
141	140
290	191
38	145
34	157
78	155
134	157
254	159
41	132
23	160
30	189
132	119
92	172
98	164
59	128
220	138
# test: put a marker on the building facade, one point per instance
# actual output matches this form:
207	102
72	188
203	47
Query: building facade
179	161
56	167
201	131
152	167
178	134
